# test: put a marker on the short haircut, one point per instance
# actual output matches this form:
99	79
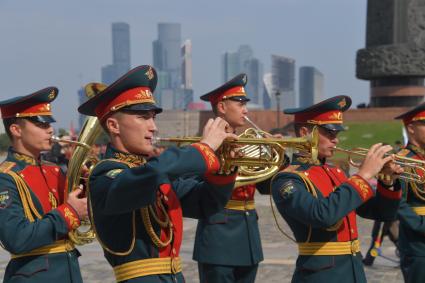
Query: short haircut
103	122
298	126
121	111
214	109
8	122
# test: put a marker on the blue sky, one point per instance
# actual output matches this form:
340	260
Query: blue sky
65	43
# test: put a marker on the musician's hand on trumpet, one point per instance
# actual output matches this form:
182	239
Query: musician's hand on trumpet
78	204
215	133
390	172
379	160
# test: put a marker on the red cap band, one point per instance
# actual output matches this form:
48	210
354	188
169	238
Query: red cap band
330	117
418	116
132	96
234	91
19	110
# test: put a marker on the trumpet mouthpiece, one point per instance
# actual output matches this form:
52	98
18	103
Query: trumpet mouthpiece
55	139
252	123
156	140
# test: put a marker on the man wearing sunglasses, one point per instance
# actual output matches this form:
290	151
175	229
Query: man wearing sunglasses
412	207
320	203
35	215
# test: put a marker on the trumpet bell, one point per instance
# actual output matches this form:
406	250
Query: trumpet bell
80	163
414	169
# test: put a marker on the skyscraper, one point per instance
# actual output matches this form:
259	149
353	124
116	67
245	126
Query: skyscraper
120	53
243	61
109	74
231	65
267	91
121	47
186	91
186	54
283	80
254	69
311	86
167	60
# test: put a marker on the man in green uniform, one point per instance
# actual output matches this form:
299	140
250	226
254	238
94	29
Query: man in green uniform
35	218
232	232
412	207
320	203
137	204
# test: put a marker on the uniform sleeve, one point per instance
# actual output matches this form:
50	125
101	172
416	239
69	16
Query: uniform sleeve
202	198
17	233
115	188
292	198
383	206
406	215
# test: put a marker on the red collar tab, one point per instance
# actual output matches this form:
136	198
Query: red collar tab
330	117
132	96
231	92
19	110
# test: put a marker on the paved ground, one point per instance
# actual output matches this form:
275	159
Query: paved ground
280	254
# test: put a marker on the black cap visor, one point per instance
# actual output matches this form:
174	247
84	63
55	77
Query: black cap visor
239	98
143	107
333	127
42	119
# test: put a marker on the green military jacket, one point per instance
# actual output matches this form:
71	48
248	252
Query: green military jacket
231	232
412	210
320	205
33	215
122	188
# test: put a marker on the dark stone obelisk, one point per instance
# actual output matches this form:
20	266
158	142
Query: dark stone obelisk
394	58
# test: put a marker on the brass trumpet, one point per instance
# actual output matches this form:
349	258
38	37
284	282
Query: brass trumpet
59	140
261	157
412	167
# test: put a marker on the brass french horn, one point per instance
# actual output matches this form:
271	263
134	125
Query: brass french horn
261	157
82	161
